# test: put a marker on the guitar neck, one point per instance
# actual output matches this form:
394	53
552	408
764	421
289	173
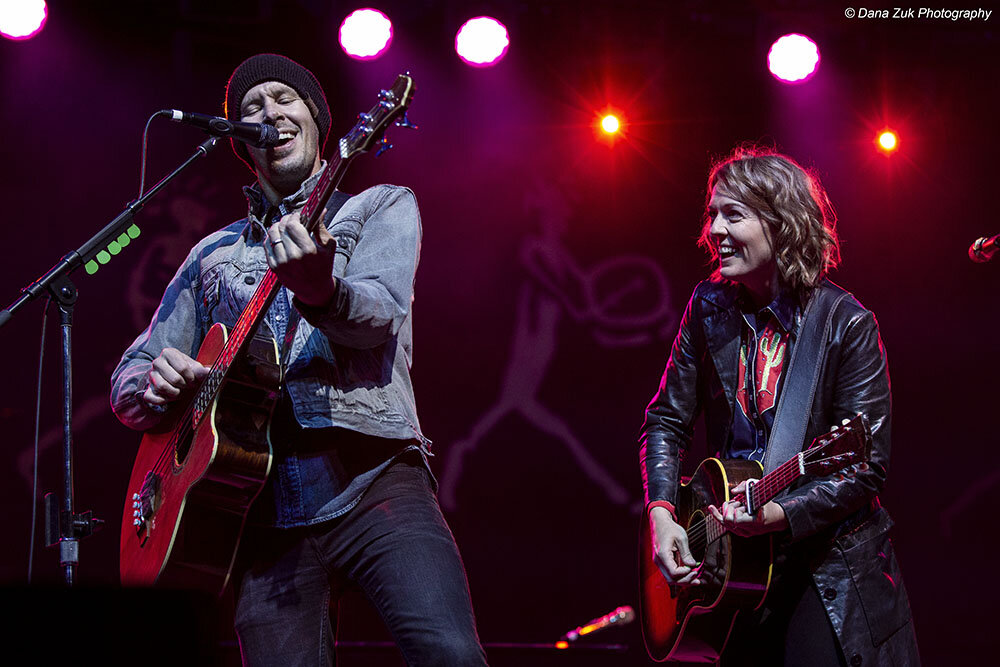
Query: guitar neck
763	491
773	483
370	127
246	325
326	185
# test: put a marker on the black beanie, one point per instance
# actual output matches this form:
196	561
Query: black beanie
272	67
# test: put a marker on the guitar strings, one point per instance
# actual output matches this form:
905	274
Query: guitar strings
240	332
244	324
333	173
709	530
698	534
235	340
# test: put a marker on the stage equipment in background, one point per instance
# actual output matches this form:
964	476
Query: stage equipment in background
260	135
365	34
22	19
192	483
983	248
693	622
887	141
64	524
616	619
482	41
793	58
610	124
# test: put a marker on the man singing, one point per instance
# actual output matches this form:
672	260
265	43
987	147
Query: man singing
350	499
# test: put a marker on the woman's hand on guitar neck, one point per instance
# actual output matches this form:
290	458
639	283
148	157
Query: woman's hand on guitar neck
733	515
670	548
172	372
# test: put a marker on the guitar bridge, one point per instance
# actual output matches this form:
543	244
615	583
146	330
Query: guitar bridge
145	503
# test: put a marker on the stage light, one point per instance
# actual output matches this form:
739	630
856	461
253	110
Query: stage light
22	19
482	41
365	34
793	58
610	124
887	141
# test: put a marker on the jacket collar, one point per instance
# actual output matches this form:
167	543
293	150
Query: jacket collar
722	306
784	309
727	297
261	210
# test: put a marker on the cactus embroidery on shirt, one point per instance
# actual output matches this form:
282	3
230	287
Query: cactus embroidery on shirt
768	364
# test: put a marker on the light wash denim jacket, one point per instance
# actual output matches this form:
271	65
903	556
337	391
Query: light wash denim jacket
346	367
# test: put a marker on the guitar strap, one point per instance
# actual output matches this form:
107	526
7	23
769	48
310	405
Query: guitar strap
336	201
795	405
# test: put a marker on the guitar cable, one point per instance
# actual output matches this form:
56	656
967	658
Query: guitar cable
38	415
142	160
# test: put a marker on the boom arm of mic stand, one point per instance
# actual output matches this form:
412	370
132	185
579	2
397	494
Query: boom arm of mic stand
77	258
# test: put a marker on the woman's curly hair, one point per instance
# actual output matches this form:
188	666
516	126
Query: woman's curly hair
791	202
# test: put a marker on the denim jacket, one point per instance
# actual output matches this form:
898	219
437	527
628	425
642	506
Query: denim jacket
346	366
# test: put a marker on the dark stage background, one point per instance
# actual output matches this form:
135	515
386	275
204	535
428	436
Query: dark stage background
554	267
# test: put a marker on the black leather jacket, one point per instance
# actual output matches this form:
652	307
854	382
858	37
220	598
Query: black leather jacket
835	523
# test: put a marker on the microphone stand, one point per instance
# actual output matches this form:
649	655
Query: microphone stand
64	525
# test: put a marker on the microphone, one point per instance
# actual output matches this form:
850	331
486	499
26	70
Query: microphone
255	134
620	616
983	248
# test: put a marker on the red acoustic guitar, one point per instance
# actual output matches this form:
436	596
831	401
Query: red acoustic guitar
198	471
692	623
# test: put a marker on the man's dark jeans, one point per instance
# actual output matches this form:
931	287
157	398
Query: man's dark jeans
394	545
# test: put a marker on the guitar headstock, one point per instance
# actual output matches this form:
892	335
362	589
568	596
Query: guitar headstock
371	126
845	445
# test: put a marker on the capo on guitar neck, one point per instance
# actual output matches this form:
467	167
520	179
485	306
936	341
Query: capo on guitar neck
751	508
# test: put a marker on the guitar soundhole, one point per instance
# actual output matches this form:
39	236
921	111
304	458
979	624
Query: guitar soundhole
183	448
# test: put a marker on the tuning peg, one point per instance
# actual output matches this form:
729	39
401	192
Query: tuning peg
383	146
845	421
405	122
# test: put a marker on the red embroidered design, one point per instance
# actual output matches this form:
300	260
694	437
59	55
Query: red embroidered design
769	362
